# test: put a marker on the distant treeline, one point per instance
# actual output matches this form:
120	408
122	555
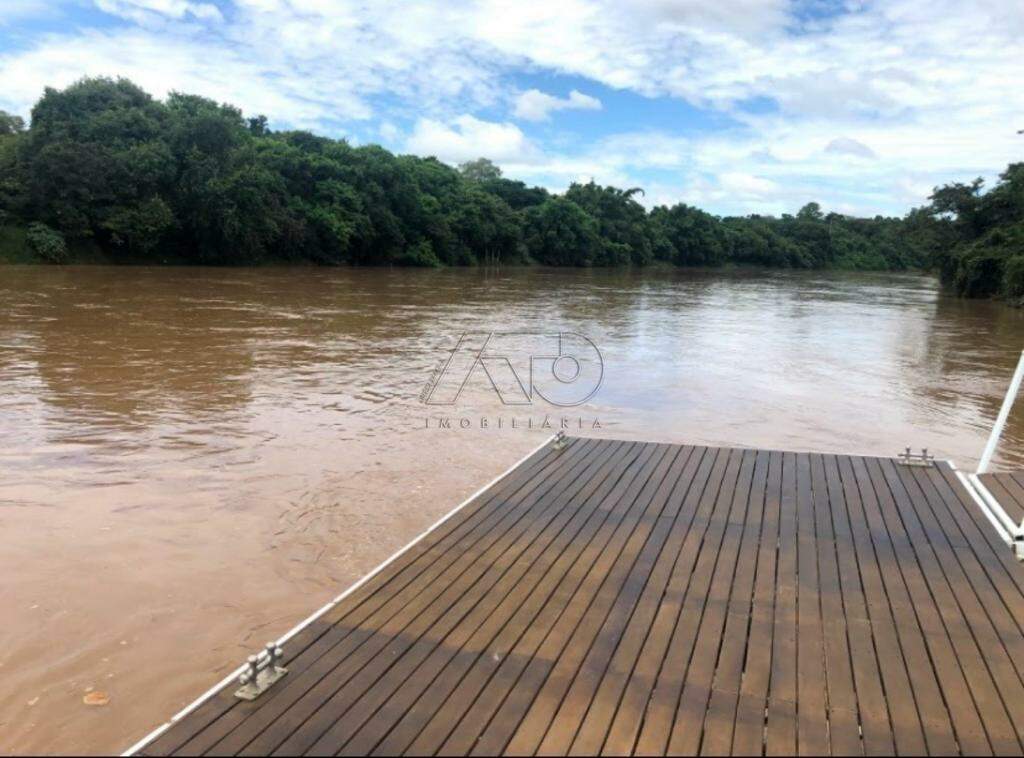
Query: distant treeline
105	169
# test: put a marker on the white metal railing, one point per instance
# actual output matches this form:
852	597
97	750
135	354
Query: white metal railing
1008	529
1004	413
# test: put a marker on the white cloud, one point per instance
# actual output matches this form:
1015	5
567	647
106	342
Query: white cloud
534	105
849	146
468	138
162	63
145	11
929	87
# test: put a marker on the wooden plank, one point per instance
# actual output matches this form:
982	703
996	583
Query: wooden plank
665	699
430	717
780	730
733	573
628	718
462	719
636	598
749	730
562	702
472	705
842	570
592	732
580	620
489	645
997	563
366	739
468	523
995	682
955	689
1008	490
720	717
906	674
844	735
812	722
392	617
323	707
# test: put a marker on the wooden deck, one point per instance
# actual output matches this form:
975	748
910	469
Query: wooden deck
1008	490
622	597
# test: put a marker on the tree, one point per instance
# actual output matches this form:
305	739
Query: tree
96	152
516	194
195	180
480	170
694	238
10	124
560	233
622	222
486	228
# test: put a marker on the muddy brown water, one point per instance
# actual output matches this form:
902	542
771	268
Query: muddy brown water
193	460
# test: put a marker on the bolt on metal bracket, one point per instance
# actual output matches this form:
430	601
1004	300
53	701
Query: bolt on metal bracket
261	672
908	458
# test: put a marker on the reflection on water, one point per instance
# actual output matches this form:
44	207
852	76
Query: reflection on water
167	431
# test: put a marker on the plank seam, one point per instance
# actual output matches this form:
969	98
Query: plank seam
227	680
552	516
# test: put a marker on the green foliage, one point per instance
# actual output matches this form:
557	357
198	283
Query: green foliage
689	236
11	124
107	172
141	225
421	254
480	170
622	223
484	226
516	194
14	245
560	233
1013	277
982	235
47	244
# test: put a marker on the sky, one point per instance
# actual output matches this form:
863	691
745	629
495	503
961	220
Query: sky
735	106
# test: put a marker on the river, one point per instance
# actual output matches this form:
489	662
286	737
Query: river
193	460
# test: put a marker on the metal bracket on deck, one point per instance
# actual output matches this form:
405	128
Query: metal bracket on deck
908	458
261	671
1018	547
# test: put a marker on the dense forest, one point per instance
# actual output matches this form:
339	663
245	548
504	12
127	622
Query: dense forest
106	172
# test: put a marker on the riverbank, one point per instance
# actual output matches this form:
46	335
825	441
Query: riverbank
15	249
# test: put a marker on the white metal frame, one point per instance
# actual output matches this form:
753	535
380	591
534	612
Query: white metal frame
1004	413
1010	531
288	635
1007	530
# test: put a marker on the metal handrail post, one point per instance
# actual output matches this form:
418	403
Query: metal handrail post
1004	412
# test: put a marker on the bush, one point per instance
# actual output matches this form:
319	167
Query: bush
980	276
47	243
420	254
1013	277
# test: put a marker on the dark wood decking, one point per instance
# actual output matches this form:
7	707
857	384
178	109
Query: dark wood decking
1008	490
624	597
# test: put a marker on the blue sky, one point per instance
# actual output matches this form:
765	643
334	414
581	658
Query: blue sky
737	106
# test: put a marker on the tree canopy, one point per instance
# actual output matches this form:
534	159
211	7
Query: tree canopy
190	180
979	243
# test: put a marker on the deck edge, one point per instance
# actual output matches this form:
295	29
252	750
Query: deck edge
231	677
988	505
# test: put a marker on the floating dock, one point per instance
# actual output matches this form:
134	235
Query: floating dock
625	597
